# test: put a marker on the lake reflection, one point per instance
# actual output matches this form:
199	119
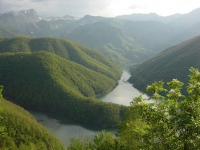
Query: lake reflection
64	128
123	93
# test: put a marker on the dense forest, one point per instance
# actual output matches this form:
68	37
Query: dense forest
45	81
170	64
20	131
69	50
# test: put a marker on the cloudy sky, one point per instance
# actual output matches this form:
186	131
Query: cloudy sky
107	8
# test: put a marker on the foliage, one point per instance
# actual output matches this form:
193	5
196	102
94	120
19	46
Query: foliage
171	122
21	131
174	62
1	126
71	51
102	141
45	81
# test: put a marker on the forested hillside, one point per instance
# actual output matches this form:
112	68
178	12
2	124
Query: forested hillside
45	81
19	130
170	64
69	50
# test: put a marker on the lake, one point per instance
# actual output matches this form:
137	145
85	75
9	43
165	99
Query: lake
123	93
64	128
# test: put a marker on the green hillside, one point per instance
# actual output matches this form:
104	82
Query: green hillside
45	81
109	38
21	130
172	63
77	53
9	32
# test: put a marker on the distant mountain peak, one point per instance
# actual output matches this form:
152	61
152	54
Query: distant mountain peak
31	14
66	17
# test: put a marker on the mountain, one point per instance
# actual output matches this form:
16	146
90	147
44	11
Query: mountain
23	21
149	34
187	20
142	17
150	17
29	23
9	32
176	20
170	64
22	131
184	35
122	40
108	36
183	27
45	81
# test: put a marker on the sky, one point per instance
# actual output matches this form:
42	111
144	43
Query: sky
106	8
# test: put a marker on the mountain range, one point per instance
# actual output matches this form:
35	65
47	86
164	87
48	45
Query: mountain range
131	38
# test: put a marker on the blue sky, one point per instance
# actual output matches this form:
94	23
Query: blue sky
107	8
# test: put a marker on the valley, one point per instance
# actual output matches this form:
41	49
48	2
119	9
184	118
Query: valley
80	75
64	128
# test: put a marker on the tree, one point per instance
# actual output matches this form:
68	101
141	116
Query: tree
102	141
171	122
1	127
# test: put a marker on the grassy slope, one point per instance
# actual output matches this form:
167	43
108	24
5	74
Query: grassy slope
66	49
23	131
172	63
45	81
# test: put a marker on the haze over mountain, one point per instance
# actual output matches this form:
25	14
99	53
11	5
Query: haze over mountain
172	63
9	32
121	40
180	20
108	36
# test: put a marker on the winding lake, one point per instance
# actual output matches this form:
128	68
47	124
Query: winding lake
65	129
123	93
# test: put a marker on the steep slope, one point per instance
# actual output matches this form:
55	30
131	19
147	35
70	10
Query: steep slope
45	81
8	32
21	130
66	49
172	63
108	37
